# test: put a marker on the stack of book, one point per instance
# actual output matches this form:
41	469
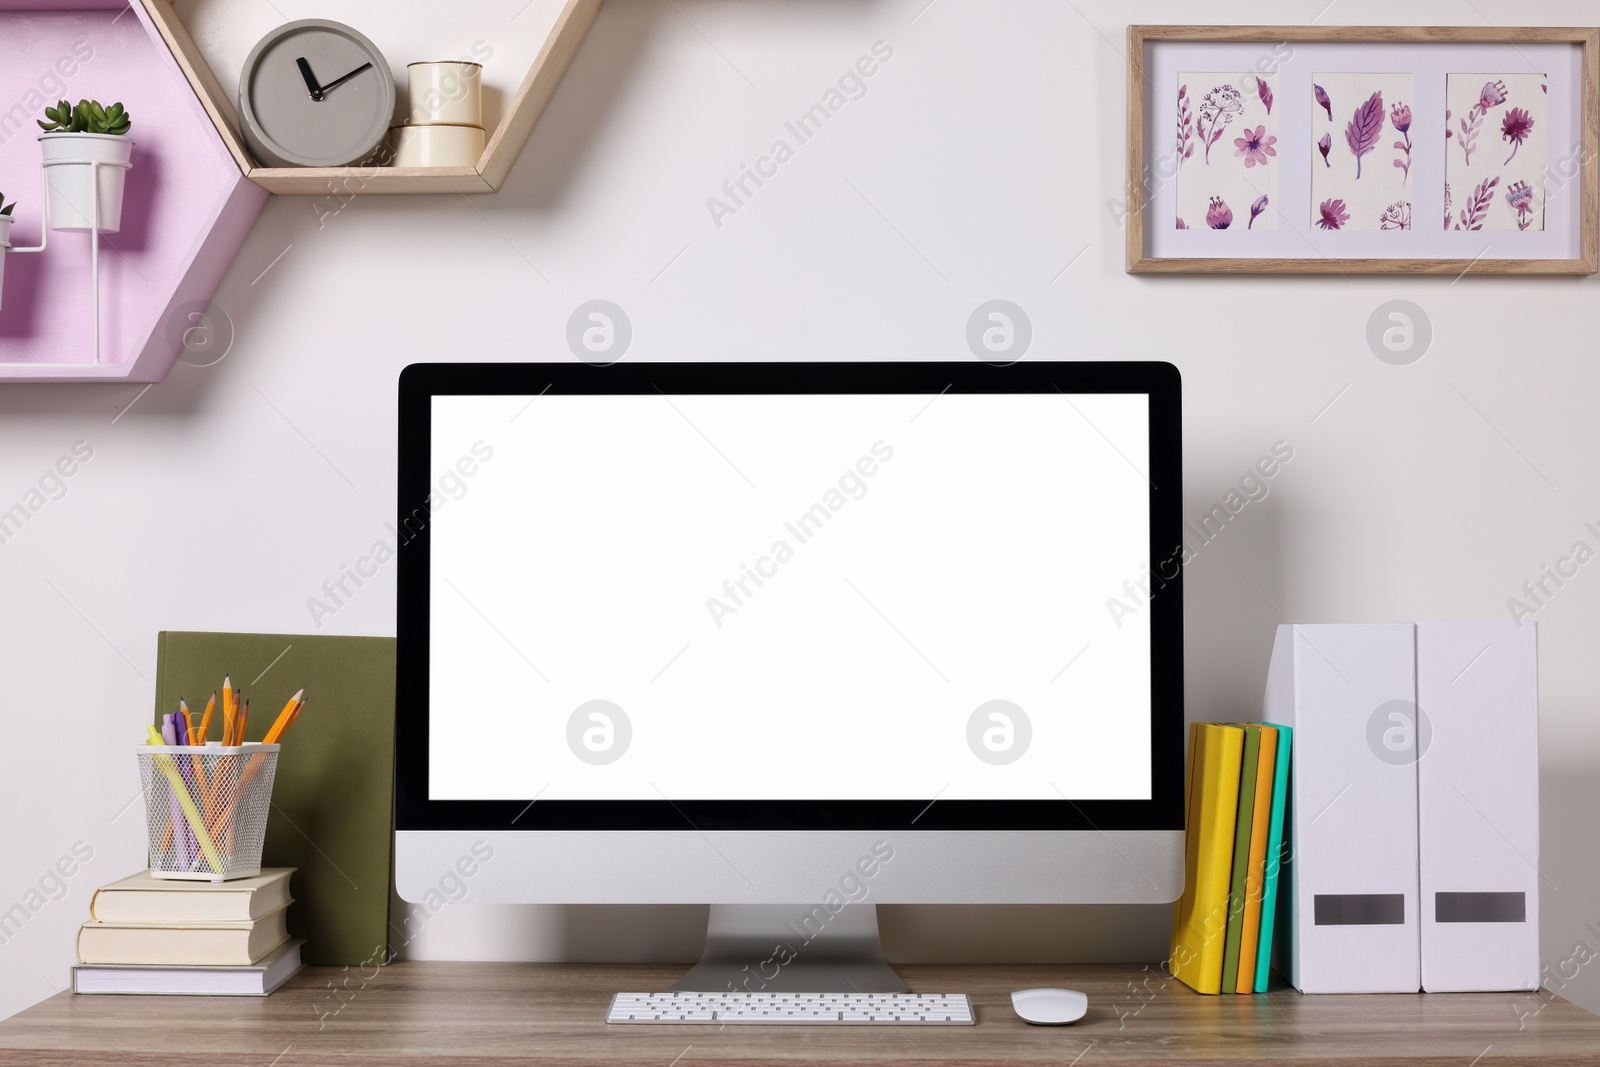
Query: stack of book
152	935
1234	808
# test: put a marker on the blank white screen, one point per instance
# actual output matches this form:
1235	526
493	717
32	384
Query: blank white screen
961	549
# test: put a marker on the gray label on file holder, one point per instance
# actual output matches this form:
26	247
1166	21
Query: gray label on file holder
1480	907
1359	909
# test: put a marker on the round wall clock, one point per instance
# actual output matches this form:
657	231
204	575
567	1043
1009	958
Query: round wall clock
315	93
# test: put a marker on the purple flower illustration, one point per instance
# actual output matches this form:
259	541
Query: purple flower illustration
1493	94
1397	216
1219	216
1185	141
1520	197
1255	146
1264	91
1361	132
1400	117
1323	146
1447	201
1255	209
1515	128
1322	98
1182	225
1221	106
1334	215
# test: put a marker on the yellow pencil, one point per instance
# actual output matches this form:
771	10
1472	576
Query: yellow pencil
244	719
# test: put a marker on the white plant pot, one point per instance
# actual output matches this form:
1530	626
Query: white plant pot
71	186
5	245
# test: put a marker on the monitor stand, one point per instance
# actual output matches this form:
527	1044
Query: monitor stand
788	948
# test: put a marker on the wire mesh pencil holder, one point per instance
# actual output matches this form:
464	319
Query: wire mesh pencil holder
205	808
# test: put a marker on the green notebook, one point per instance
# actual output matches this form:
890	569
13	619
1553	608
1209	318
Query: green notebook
1241	856
333	796
1269	894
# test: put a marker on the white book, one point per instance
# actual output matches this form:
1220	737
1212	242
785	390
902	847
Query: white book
1478	800
1349	893
256	980
140	898
231	944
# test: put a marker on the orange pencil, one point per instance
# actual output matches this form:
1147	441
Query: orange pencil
244	719
281	723
228	722
205	719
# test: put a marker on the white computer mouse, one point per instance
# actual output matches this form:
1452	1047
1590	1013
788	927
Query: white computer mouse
1049	1007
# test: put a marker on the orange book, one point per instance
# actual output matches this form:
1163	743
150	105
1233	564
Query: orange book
1255	878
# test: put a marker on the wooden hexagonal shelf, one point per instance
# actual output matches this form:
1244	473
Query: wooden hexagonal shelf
504	143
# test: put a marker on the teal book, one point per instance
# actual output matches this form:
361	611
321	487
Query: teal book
1269	892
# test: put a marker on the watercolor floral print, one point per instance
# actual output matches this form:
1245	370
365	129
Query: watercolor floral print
1495	151
1226	150
1361	154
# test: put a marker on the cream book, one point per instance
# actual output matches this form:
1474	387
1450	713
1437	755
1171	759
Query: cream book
139	898
256	980
237	944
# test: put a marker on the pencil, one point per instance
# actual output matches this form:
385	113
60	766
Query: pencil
281	723
205	719
244	719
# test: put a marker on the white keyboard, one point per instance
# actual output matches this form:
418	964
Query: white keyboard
827	1009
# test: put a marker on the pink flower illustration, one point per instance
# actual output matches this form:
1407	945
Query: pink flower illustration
1255	209
1397	216
1447	203
1255	146
1182	225
1515	128
1219	216
1400	116
1520	197
1493	94
1334	215
1322	98
1323	146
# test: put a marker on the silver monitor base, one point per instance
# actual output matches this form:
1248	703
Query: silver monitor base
780	948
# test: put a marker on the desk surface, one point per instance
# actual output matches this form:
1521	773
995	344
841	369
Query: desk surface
504	1013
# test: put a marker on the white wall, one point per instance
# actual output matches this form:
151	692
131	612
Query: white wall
979	165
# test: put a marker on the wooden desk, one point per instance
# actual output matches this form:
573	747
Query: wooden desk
504	1014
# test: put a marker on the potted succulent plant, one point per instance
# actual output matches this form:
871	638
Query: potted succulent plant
78	135
5	238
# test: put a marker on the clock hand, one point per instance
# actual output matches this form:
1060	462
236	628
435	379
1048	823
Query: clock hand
311	81
341	80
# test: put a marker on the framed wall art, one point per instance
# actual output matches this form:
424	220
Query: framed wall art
1363	149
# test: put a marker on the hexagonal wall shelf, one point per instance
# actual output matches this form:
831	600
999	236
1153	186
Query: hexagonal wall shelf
186	209
504	143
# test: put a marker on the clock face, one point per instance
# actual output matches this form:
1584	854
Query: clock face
315	94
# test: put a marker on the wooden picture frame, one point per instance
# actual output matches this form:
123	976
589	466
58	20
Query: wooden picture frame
1585	213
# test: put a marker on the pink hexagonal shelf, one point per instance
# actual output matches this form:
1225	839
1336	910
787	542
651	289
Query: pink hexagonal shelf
186	210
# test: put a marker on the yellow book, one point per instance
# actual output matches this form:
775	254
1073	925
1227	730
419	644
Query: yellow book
1255	877
1200	922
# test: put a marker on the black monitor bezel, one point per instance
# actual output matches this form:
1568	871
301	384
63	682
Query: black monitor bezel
419	383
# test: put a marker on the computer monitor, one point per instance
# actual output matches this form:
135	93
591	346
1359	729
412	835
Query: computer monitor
792	640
